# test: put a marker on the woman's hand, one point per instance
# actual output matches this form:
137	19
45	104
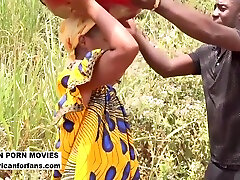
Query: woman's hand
80	7
146	4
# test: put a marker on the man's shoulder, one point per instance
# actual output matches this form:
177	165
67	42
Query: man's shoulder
205	48
208	47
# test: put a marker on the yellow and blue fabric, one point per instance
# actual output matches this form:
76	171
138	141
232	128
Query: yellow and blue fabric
95	141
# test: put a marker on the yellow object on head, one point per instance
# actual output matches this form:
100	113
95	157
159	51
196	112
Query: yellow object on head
70	31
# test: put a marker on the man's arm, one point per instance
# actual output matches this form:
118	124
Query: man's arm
158	60
196	24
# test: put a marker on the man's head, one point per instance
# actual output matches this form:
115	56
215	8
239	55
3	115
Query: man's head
227	12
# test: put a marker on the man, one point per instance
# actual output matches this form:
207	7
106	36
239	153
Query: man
218	61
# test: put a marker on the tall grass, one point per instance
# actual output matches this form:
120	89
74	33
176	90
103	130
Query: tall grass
167	115
30	58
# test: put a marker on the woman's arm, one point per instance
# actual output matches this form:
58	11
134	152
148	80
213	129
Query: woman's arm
123	48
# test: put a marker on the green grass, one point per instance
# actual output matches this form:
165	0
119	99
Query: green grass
167	115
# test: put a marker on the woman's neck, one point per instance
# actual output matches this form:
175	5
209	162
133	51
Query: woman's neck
80	52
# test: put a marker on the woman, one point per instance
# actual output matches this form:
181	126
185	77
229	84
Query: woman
94	136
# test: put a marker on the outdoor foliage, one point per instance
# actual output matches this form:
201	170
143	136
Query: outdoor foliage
168	116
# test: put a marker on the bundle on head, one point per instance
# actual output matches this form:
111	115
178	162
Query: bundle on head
118	8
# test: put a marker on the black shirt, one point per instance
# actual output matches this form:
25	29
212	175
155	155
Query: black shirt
220	70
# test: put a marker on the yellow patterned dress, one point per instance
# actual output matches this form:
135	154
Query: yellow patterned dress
95	141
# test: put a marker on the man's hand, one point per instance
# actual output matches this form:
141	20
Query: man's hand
132	27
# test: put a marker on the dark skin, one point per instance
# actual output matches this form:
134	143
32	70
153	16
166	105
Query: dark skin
219	30
158	59
110	35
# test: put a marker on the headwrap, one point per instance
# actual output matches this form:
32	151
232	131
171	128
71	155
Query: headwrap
70	31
